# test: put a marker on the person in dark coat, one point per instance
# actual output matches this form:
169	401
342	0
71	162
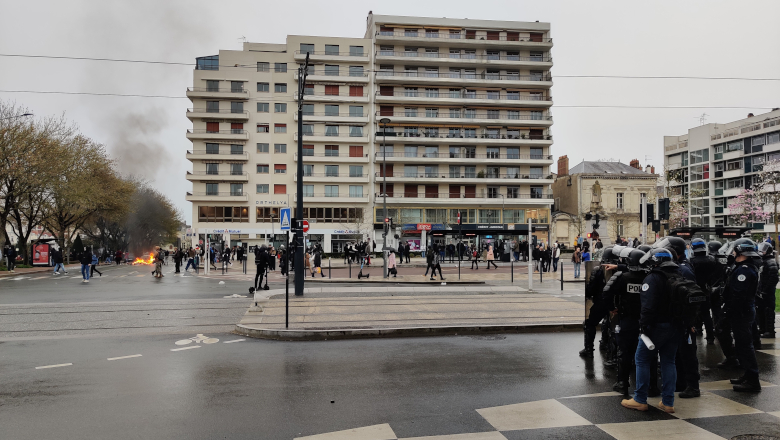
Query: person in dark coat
85	258
56	258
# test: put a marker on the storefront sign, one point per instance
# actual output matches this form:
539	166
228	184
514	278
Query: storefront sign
541	227
346	231
271	202
223	231
423	227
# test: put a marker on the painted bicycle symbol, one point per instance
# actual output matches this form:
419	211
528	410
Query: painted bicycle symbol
198	339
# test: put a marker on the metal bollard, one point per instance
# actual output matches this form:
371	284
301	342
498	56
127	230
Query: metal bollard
512	270
560	266
350	269
541	271
328	267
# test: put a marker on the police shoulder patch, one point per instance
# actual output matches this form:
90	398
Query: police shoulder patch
645	286
741	278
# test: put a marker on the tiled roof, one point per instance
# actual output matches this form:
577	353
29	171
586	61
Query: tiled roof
605	168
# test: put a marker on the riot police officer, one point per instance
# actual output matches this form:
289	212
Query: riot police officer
628	307
722	326
767	284
739	310
599	310
262	261
656	322
707	271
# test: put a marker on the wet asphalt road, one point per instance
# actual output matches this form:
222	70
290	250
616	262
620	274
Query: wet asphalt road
267	389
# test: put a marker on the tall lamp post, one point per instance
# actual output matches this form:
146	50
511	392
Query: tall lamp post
384	122
303	72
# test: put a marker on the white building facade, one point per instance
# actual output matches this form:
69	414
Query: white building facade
468	104
716	162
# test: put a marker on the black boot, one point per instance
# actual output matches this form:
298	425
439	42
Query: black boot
729	363
748	386
620	387
689	393
769	326
738	380
590	336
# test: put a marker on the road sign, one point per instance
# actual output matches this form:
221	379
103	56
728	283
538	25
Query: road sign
305	226
284	219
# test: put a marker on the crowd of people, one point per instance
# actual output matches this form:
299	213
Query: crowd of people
654	303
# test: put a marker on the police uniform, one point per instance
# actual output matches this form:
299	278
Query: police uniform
739	309
262	260
686	361
767	284
598	311
708	272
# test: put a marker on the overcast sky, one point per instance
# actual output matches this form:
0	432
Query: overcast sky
147	135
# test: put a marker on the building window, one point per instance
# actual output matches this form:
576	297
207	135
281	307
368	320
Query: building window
280	128
236	86
308	109
308	129
332	90
207	63
236	149
355	90
356	51
212	148
355	131
536	192
212	85
356	71
331	110
229	214
331	70
262	128
262	148
489	215
308	190
262	87
236	107
212	127
262	107
307	48
280	108
237	128
280	148
212	189
236	189
212	106
331	190
355	191
331	170
512	192
619	201
308	150
356	171
331	150
308	89
263	66
356	111
280	168
308	170
212	168
262	188
280	87
331	49
280	189
262	168
619	227
280	67
331	130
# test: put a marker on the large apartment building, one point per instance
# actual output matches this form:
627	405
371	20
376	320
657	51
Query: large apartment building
714	162
464	106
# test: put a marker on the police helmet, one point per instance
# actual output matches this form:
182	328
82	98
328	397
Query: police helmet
634	257
645	248
617	249
746	247
656	257
698	246
609	257
765	249
676	244
625	253
281	248
713	247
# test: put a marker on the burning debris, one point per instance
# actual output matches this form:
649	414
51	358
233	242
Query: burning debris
148	260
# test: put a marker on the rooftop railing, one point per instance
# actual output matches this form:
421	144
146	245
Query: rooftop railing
462	94
216	90
462	36
462	56
447	195
479	175
217	111
333	53
463	114
465	155
464	76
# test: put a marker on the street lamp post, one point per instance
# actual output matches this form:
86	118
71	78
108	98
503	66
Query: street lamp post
384	122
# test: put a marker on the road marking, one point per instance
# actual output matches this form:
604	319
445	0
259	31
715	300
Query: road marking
185	348
76	277
234	340
124	357
19	278
138	276
40	278
122	276
52	366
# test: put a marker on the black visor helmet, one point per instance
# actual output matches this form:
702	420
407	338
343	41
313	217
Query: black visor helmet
765	249
634	258
698	246
609	257
656	257
676	244
645	248
713	247
746	247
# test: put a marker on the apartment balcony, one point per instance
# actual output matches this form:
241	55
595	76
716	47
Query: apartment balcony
732	192
444	177
226	196
465	158
465	98
444	59
225	114
332	158
222	176
228	135
338	98
220	155
451	79
461	139
330	76
502	200
343	118
333	198
445	116
217	93
467	39
341	137
338	57
334	178
732	173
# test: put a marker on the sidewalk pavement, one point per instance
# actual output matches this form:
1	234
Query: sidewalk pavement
37	269
411	311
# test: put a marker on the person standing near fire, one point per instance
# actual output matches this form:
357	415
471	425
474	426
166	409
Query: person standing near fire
159	257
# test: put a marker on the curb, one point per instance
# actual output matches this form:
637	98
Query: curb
404	332
389	281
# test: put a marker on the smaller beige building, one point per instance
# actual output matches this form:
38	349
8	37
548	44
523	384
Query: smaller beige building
611	189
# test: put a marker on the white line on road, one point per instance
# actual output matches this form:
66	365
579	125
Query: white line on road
52	366
124	357
137	276
40	278
185	348
234	340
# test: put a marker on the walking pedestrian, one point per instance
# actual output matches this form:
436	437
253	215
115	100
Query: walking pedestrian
437	266
490	257
10	254
429	263
556	255
576	259
536	255
190	259
118	257
94	266
474	257
159	258
391	269
56	258
178	255
85	258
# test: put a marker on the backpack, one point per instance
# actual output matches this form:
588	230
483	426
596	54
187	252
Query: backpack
683	295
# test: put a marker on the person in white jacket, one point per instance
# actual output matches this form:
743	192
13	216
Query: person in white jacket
556	255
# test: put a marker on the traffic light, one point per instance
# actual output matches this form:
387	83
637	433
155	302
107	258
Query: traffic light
589	235
391	224
459	217
650	212
386	227
596	221
663	209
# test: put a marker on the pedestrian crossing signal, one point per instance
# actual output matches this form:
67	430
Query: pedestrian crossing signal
589	235
459	217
